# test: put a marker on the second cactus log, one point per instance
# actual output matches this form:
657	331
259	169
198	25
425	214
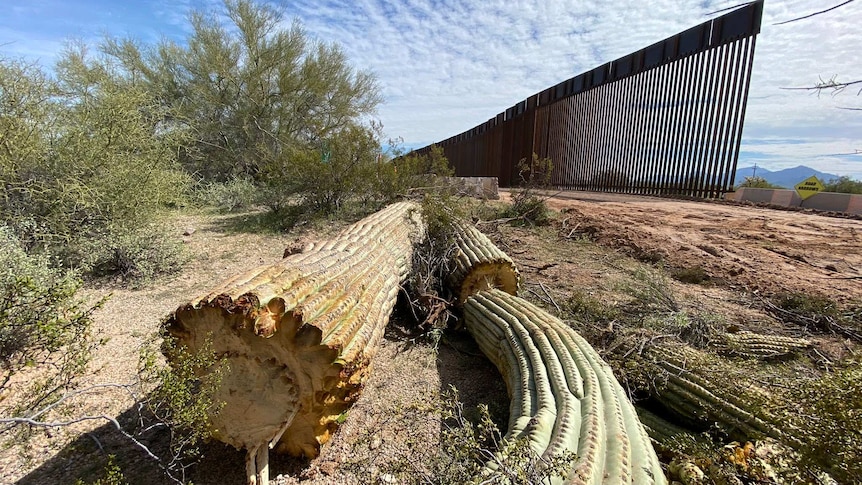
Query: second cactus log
564	398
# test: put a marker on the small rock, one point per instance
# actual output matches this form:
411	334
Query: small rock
189	231
375	443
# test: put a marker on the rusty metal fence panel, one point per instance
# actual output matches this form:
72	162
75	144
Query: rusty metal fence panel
665	120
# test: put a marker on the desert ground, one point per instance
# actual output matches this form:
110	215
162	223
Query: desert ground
745	253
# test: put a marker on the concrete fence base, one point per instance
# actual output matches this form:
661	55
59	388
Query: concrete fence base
479	187
826	201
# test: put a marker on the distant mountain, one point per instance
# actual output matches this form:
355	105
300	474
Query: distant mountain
787	178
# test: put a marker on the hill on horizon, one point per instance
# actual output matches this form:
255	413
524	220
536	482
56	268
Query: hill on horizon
786	178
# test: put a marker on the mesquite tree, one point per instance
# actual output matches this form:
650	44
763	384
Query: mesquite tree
255	93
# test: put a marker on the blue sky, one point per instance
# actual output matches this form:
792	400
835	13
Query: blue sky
446	65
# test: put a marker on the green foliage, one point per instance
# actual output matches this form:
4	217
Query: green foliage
587	308
817	312
42	325
255	94
832	411
430	296
414	172
844	185
136	255
755	182
82	158
346	168
527	205
235	194
693	274
181	395
113	475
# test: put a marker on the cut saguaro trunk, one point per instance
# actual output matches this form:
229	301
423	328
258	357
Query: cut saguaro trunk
480	265
298	334
564	398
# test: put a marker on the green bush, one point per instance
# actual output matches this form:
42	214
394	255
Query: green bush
83	157
236	194
134	255
342	170
844	185
830	413
527	205
252	85
112	475
42	324
755	182
180	397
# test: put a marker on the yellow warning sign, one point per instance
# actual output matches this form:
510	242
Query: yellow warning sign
809	187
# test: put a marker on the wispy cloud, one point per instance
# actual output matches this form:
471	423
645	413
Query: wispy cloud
445	65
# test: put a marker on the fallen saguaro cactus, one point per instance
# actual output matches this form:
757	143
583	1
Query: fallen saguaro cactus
758	346
480	265
702	389
564	398
659	429
298	335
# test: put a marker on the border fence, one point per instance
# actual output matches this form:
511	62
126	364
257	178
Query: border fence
665	120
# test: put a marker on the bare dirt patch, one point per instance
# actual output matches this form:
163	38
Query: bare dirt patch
757	249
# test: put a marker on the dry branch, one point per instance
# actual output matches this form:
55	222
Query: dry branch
298	335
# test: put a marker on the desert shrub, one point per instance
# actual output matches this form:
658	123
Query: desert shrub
844	185
180	398
528	206
82	156
341	170
414	173
252	85
136	256
829	414
755	182
817	312
112	475
428	291
693	274
44	329
235	194
589	309
468	440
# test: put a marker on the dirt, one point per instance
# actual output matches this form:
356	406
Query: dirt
593	247
757	249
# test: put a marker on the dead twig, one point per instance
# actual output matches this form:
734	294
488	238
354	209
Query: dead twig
551	298
645	342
